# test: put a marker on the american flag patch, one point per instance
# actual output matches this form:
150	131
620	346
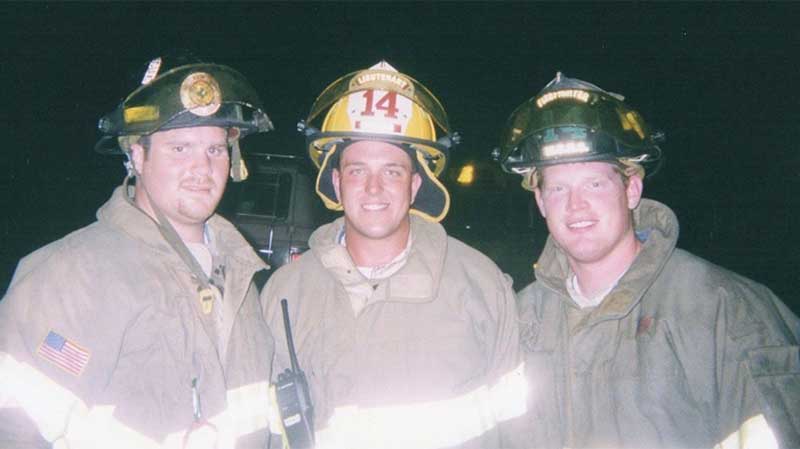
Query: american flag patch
63	353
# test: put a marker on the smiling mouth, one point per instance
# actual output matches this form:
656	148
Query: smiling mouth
581	224
374	206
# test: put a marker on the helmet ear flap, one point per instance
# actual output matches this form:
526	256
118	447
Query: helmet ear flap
530	180
125	142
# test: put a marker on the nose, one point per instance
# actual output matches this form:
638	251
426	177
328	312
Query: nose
373	184
201	163
576	200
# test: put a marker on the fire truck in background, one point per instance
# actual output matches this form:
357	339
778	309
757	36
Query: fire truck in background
276	208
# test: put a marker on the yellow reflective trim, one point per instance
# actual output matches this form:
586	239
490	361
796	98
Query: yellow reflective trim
64	419
47	403
136	114
97	427
60	415
330	203
275	420
755	433
432	177
249	407
248	410
427	425
510	395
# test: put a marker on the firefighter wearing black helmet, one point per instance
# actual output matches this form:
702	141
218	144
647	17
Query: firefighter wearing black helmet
143	329
631	342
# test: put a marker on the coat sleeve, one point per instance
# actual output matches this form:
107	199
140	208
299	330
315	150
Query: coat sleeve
271	308
758	370
58	343
499	326
504	354
540	426
17	431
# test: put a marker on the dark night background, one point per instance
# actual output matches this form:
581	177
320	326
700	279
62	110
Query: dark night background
719	79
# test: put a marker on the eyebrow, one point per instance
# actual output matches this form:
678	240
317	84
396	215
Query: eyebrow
396	165
350	163
386	165
189	143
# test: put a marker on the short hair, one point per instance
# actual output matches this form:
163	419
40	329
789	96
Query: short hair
408	149
145	141
625	167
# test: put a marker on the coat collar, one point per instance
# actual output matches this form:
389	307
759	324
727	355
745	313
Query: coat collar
417	281
232	250
120	213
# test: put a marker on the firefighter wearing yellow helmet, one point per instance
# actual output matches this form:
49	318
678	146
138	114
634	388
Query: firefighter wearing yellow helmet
382	104
630	341
408	336
143	329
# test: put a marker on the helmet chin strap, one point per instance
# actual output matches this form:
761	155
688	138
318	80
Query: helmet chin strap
238	168
165	228
206	292
130	170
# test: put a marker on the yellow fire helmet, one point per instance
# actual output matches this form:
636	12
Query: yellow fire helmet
176	94
381	104
574	121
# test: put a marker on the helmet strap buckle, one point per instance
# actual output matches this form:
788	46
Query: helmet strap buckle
128	164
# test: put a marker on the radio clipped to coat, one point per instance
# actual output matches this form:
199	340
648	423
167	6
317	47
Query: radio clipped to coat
291	398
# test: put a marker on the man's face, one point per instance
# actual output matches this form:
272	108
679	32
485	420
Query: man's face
376	186
587	208
184	172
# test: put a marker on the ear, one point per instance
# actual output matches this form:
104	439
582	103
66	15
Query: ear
634	191
416	183
538	195
137	157
336	179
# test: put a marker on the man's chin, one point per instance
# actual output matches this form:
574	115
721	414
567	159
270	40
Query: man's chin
587	255
379	232
197	213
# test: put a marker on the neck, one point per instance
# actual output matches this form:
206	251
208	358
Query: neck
596	276
189	234
368	252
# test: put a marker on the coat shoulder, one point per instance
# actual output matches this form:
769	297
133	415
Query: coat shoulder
470	258
307	265
87	245
701	288
708	280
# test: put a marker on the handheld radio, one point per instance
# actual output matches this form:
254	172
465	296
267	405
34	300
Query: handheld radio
292	397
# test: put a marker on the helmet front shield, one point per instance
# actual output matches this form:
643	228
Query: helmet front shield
328	122
379	79
574	121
